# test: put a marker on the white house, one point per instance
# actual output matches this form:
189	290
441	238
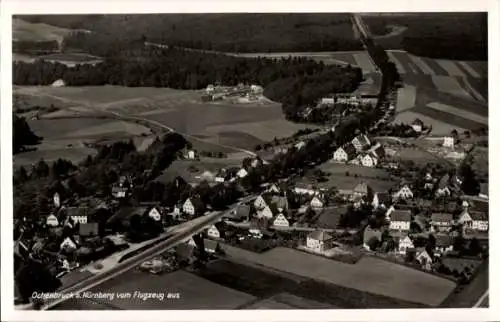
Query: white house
213	232
368	160
219	179
69	244
474	220
400	220
404	244
78	214
274	189
57	200
190	154
417	125
448	142
404	193
319	241
281	221
424	259
327	101
154	214
317	203
242	173
361	142
191	206
260	203
345	153
52	221
265	212
300	145
441	221
304	191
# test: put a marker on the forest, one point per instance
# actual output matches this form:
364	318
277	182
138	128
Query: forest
22	135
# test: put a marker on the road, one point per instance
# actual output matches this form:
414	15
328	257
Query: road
130	263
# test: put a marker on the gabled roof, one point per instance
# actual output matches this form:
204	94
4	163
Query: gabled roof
349	149
363	188
242	211
89	229
320	235
418	121
196	202
384	198
280	202
370	233
477	215
401	215
362	139
75	211
210	244
441	217
479	205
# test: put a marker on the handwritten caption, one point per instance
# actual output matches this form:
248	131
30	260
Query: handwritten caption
160	296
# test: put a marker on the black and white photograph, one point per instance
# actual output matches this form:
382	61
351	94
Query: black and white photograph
248	161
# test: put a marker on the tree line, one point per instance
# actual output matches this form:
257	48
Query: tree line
22	135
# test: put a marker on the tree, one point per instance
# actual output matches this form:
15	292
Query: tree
475	247
373	243
458	244
35	277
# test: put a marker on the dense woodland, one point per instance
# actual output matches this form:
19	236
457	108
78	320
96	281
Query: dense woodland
294	81
22	136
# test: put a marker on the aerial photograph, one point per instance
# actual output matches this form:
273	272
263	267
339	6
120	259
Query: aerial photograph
250	161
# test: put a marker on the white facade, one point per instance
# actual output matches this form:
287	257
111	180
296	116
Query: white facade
317	203
52	221
417	127
327	100
213	232
281	221
190	155
188	207
449	142
300	145
219	179
57	200
259	203
368	161
242	173
399	225
155	214
340	155
265	213
404	244
68	243
316	245
440	192
273	189
480	225
83	219
404	193
304	191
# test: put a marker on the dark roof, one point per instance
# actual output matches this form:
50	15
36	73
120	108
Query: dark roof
479	205
441	217
370	233
349	149
125	213
362	139
477	215
197	203
401	215
384	198
320	235
444	181
89	229
418	121
363	188
483	188
210	244
242	211
75	211
443	240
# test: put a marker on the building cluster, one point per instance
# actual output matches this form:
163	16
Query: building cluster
360	151
216	92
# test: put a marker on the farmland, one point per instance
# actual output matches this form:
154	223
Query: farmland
26	31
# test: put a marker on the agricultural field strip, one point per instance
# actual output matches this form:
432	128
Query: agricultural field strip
473	91
406	98
451	68
422	65
456	111
399	66
450	85
469	69
364	62
438	127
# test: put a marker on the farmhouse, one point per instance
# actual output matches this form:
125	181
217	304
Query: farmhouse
404	193
424	259
281	221
304	190
444	244
193	206
213	232
280	202
443	188
474	220
400	220
404	244
448	142
260	202
362	190
52	221
242	212
345	153
121	219
77	214
319	241
274	189
317	202
119	192
441	221
68	244
361	142
368	160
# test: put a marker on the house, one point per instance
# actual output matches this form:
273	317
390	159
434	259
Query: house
404	244
367	160
448	142
345	153
193	206
57	200
483	192
241	213
265	212
443	188
256	162
274	189
155	214
256	229
444	244
361	142
281	202
377	151
370	234
300	145
281	221
211	246
261	202
404	193
424	259
213	232
68	244
417	125
362	190
319	241
52	221
119	192
242	173
77	214
421	222
304	191
441	221
400	220
381	200
190	154
88	229
317	202
474	220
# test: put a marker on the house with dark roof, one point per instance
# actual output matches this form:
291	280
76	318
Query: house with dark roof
88	229
361	142
474	220
441	221
381	200
362	190
345	153
400	220
370	234
281	202
193	206
377	151
444	244
443	188
319	241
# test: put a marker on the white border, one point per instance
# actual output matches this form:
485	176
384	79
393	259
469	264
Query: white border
9	7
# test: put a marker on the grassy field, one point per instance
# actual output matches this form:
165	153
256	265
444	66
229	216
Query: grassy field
26	31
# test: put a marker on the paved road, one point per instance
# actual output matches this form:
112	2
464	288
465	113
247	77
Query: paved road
156	250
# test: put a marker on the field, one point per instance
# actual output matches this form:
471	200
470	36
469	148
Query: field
369	274
224	127
26	31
